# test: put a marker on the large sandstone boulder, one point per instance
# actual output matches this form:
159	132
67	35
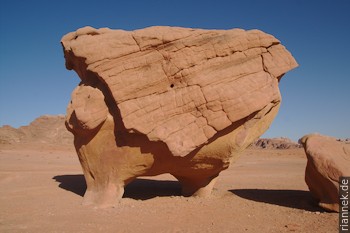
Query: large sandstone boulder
169	100
328	159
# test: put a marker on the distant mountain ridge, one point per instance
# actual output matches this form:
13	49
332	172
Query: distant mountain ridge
51	129
275	143
44	129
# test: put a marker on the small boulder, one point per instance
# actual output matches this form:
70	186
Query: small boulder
328	160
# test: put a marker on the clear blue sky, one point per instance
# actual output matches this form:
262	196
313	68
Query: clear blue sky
316	95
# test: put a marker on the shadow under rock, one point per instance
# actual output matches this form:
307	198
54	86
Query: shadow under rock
296	199
139	189
72	183
143	189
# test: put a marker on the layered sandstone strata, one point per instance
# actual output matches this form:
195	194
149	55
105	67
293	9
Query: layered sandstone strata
169	100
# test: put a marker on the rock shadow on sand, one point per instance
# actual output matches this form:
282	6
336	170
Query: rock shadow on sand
139	189
296	199
73	183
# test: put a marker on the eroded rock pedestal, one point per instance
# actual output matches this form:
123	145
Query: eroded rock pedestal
327	161
169	100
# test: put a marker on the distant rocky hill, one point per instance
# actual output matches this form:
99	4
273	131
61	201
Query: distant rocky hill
346	140
44	129
51	129
275	143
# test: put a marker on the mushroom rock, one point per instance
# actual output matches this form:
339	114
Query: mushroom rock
327	160
169	100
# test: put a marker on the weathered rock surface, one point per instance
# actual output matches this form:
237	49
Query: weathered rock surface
44	129
169	100
328	160
275	143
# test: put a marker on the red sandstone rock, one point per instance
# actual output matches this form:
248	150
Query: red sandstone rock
328	160
169	100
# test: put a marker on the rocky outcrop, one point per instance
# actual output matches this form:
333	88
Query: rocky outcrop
48	129
275	143
169	100
10	135
345	140
327	160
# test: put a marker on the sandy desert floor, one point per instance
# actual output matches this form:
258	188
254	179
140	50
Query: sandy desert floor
41	189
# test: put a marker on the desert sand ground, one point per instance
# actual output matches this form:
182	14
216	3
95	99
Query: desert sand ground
42	186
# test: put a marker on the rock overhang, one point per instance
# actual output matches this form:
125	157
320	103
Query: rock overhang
181	85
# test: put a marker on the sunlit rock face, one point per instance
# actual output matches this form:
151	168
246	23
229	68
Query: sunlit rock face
169	100
328	159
